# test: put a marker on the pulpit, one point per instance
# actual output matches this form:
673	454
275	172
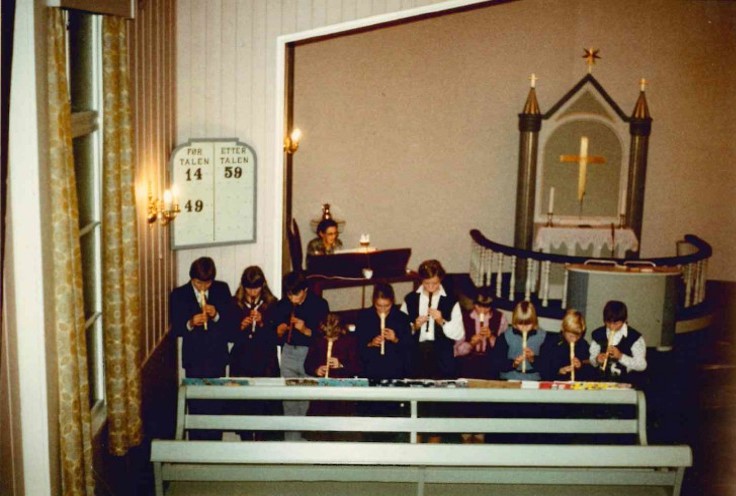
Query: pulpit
650	293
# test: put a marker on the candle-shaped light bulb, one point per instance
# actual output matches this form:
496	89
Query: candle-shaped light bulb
175	196
167	200
383	338
572	360
329	356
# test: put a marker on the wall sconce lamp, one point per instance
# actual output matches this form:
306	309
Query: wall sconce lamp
164	210
291	142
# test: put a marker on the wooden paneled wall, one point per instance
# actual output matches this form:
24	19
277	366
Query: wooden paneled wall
152	49
226	51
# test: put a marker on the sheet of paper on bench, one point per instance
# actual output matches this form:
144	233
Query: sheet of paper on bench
398	383
383	263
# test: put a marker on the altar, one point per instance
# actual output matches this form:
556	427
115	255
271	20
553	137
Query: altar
602	241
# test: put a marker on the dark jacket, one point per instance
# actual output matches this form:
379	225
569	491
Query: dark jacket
396	363
204	352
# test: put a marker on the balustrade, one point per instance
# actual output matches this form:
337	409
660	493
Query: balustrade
495	265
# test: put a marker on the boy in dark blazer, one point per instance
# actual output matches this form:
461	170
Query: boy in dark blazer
200	313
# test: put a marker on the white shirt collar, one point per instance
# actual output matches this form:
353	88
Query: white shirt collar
624	331
441	292
196	291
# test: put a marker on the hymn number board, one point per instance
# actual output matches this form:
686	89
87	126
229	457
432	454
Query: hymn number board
216	179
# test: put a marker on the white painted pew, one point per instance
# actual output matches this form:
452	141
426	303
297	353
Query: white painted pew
636	465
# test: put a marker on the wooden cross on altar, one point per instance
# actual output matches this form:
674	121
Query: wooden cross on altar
583	159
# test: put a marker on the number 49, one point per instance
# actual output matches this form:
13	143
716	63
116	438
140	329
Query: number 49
196	207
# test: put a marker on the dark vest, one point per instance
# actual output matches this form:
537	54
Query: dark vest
599	336
444	347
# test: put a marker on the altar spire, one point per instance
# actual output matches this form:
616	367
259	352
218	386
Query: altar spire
641	109
531	107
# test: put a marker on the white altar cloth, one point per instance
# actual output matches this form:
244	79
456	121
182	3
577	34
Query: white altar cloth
576	239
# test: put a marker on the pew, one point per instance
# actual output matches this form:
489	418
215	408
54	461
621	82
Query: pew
634	463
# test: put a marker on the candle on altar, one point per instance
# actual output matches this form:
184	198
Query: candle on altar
572	360
551	207
622	203
383	338
523	352
329	356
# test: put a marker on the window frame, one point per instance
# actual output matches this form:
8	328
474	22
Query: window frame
88	122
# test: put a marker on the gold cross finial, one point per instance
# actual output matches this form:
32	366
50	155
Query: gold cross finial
590	54
533	78
643	84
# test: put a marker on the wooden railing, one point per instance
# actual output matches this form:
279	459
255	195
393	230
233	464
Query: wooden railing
513	272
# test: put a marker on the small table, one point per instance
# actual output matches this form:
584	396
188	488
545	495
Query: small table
583	238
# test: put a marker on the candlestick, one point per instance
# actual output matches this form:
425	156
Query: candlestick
523	352
572	360
383	338
329	356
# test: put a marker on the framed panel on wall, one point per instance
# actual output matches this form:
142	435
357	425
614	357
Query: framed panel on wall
216	182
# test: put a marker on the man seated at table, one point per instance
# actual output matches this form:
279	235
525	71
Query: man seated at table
326	241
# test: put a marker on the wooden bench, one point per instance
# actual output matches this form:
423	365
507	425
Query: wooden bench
635	464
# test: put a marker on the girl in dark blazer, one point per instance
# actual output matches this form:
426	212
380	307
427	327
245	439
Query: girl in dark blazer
254	346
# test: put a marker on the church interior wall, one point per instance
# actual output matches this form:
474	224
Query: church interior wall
226	54
411	130
682	48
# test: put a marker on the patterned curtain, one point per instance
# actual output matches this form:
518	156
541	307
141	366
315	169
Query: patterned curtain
74	413
121	303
